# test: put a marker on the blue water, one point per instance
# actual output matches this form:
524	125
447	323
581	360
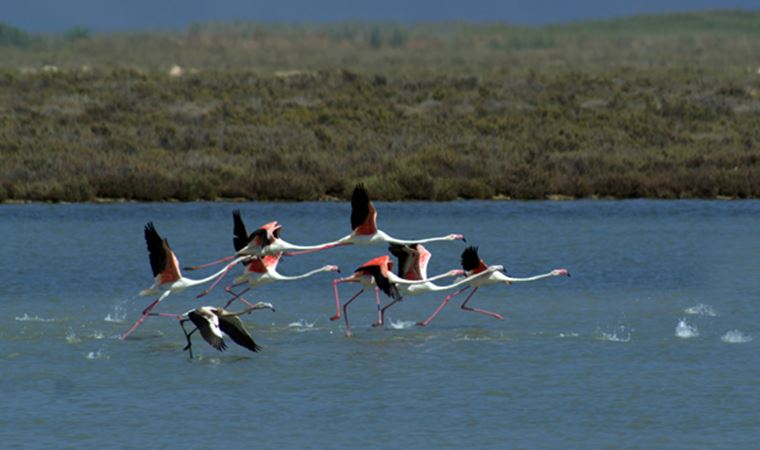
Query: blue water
651	344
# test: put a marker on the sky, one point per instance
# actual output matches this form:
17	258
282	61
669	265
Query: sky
52	16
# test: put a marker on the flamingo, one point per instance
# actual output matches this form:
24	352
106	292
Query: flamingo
259	270
377	273
215	322
472	265
364	227
263	270
166	273
412	265
262	242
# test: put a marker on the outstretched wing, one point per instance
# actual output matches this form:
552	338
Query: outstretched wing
471	262
363	213
233	327
208	324
161	256
407	256
240	239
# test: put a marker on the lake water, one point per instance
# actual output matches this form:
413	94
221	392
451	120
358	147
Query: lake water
653	342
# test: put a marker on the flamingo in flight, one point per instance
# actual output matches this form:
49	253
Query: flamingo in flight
472	265
264	241
263	270
364	227
412	265
215	322
166	273
377	273
259	270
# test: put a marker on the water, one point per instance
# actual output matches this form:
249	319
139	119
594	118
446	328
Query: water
589	361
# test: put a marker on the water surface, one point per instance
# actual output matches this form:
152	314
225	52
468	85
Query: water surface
651	343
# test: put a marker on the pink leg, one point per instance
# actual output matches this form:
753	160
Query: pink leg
382	313
445	301
345	311
145	314
477	310
337	300
236	296
218	279
212	263
377	303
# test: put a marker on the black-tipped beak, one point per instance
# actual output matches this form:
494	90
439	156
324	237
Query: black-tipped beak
273	310
464	239
568	274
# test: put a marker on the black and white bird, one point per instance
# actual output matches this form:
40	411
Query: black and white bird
215	322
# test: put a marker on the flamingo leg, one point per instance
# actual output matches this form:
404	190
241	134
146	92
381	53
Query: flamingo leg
212	263
189	346
445	301
382	313
218	279
145	314
478	310
337	300
237	296
377	303
345	311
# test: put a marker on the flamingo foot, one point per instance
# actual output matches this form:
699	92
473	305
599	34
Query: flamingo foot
421	324
335	317
348	333
377	324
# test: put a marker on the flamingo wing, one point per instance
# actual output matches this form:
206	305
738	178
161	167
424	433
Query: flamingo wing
408	258
471	262
208	324
378	269
363	213
233	327
163	262
240	239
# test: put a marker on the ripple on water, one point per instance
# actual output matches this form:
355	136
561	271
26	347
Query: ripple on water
736	337
100	354
71	337
302	325
701	310
686	331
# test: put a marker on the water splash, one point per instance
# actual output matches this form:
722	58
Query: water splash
401	324
701	310
618	335
736	337
71	337
97	334
117	315
686	331
302	325
100	354
27	318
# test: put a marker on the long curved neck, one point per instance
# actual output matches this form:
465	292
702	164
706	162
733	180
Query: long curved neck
280	277
390	239
533	278
192	282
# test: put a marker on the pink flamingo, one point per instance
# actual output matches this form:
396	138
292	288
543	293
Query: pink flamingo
472	264
263	270
377	273
167	276
412	265
264	241
259	269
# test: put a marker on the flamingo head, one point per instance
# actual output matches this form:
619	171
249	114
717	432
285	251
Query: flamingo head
456	237
262	305
560	273
332	268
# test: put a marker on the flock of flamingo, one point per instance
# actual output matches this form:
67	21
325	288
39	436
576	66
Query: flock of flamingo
261	251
